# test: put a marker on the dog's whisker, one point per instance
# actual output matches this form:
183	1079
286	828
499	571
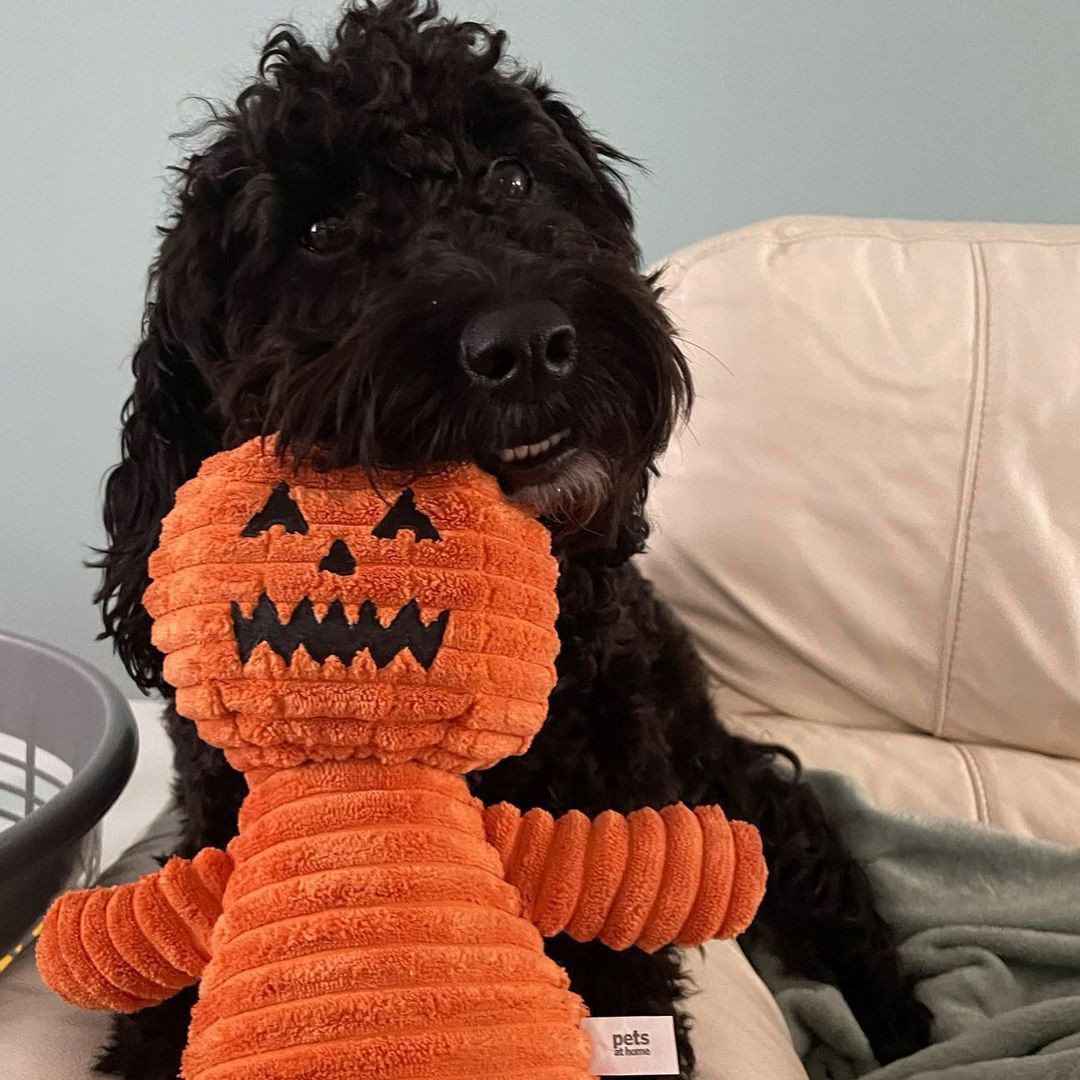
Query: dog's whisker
707	352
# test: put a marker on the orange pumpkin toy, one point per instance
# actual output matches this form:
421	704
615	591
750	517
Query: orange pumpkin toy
355	649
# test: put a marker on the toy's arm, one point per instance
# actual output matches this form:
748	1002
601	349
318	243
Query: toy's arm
648	879
129	946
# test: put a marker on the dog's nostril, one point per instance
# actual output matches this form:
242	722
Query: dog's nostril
496	363
561	349
490	351
526	338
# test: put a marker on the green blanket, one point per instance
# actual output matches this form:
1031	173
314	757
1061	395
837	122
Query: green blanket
990	927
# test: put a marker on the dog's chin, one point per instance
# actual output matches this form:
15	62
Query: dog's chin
568	490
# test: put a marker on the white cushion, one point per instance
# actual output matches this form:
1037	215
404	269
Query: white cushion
739	1032
872	526
1017	791
874	520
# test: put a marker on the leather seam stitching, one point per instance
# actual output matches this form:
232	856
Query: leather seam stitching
978	787
973	440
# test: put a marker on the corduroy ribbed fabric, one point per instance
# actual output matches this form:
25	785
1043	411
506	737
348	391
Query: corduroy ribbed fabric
355	646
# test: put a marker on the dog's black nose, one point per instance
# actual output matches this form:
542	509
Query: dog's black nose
531	337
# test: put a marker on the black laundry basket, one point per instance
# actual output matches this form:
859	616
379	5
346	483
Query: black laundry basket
68	744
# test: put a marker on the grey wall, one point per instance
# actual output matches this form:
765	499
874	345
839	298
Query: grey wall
743	108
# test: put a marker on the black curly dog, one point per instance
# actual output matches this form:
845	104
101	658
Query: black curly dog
402	250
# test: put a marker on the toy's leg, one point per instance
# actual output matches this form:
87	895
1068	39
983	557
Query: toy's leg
130	946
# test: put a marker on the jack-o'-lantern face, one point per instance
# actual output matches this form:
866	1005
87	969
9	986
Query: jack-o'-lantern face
336	633
310	615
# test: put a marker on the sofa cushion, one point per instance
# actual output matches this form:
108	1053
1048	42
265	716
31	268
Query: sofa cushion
1017	791
874	519
739	1031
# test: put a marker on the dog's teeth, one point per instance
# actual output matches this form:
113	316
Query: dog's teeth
530	450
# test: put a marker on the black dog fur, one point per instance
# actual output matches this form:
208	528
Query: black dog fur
331	241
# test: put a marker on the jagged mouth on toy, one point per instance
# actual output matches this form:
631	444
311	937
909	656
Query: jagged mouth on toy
335	634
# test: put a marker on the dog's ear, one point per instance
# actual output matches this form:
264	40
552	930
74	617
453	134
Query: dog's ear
168	426
602	159
225	207
166	433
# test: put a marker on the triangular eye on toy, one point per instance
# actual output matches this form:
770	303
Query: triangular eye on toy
280	509
404	514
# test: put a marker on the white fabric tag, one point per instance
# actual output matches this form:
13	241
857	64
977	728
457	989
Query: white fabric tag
632	1045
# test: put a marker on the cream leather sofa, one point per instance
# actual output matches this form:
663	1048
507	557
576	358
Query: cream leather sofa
872	527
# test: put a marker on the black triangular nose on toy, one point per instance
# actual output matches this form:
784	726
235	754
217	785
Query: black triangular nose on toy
280	509
404	514
339	559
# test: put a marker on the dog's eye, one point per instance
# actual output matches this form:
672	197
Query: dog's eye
509	177
326	236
